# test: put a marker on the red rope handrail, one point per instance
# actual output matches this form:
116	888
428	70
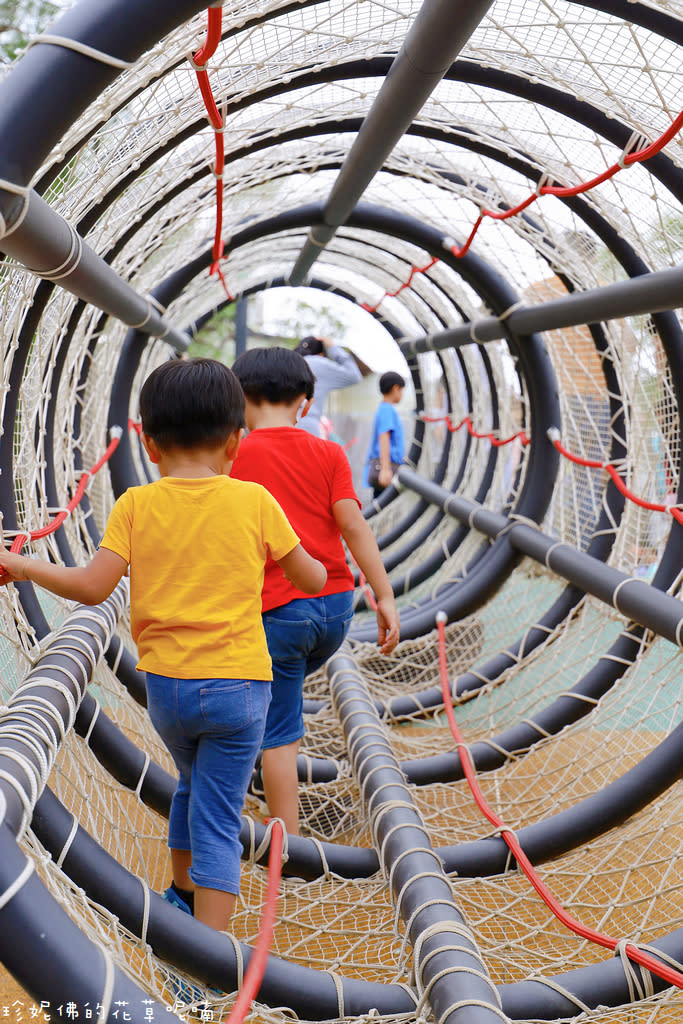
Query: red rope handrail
669	974
54	524
213	36
199	62
365	586
631	154
554	436
257	964
497	442
611	470
392	295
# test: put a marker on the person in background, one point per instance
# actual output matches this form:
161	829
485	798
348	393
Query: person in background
333	368
311	479
387	441
197	543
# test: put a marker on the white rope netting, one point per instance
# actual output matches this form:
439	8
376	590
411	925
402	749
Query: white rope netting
134	175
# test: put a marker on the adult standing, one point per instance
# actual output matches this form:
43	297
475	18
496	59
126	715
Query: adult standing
333	367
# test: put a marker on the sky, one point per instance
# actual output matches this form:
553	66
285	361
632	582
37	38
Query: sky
362	335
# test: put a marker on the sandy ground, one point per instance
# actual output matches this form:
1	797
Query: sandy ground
15	1003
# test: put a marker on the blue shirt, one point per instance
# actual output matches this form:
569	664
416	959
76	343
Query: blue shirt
388	421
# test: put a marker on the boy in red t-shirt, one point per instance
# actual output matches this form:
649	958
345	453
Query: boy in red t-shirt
311	480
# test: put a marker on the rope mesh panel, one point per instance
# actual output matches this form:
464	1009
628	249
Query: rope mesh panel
133	175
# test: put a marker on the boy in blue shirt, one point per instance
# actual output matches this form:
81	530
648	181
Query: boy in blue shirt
387	444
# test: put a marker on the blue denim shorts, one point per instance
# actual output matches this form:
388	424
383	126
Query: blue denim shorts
213	730
301	636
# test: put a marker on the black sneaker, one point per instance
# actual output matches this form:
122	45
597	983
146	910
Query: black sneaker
171	896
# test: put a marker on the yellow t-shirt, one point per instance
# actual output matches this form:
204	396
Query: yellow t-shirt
197	549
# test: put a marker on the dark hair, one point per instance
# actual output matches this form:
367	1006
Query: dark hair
310	346
189	403
389	380
273	375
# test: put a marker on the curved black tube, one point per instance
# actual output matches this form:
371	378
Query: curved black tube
209	955
57	83
202	952
27	596
449	545
122	662
454	971
50	956
586	820
549	838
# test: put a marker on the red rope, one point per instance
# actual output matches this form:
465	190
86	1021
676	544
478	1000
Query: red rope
56	521
257	964
369	596
673	510
200	59
627	159
392	295
669	974
497	442
610	469
213	36
630	155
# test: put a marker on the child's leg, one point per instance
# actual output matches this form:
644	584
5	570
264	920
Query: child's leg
161	703
301	636
214	907
181	862
213	730
232	715
281	784
291	631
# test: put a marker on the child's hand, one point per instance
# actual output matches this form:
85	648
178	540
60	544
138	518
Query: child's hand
388	625
385	476
11	567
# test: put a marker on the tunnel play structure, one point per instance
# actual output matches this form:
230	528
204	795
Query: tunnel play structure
492	816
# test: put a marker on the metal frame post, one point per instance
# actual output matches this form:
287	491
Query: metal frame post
437	35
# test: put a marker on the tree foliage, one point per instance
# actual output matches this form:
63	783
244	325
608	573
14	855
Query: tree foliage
22	19
305	317
216	339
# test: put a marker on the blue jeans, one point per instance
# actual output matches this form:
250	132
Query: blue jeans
301	636
213	730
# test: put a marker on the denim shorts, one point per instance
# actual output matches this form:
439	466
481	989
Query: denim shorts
213	730
301	636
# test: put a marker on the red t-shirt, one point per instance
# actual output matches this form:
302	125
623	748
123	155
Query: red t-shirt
306	475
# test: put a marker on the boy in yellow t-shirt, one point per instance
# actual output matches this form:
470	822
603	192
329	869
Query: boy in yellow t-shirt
196	542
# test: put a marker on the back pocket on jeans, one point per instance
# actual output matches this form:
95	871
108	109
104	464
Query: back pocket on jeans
227	704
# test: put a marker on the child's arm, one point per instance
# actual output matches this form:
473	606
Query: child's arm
363	546
303	571
386	473
350	371
88	584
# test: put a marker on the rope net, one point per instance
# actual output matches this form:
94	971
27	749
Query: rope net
539	89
